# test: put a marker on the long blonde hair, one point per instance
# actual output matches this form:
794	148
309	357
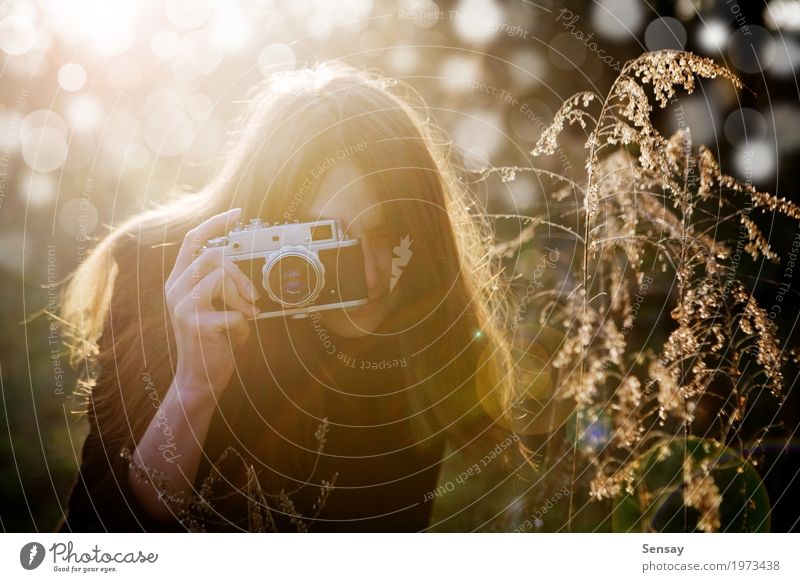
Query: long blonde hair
114	308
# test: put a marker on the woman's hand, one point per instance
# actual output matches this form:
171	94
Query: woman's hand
206	336
205	340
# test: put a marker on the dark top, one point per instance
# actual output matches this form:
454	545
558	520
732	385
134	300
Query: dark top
270	413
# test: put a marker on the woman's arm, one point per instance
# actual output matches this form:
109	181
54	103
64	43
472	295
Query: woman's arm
205	339
101	499
109	494
172	445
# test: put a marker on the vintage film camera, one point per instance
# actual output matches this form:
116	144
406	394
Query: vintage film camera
302	267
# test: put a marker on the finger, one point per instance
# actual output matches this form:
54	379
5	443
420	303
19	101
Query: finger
204	264
200	295
243	282
215	325
231	322
231	296
196	237
218	284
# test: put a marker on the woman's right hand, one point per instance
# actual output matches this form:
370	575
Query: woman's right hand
205	336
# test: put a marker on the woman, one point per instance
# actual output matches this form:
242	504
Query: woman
336	421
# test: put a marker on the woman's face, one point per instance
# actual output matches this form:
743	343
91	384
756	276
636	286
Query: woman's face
345	195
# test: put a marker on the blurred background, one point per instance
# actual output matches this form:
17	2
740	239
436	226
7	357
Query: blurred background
108	105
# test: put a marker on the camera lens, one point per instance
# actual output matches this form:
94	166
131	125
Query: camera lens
292	278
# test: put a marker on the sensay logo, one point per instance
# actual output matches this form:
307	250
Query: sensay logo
402	254
31	555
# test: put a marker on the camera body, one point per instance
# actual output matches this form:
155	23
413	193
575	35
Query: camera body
298	267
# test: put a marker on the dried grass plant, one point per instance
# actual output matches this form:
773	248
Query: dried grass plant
653	207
